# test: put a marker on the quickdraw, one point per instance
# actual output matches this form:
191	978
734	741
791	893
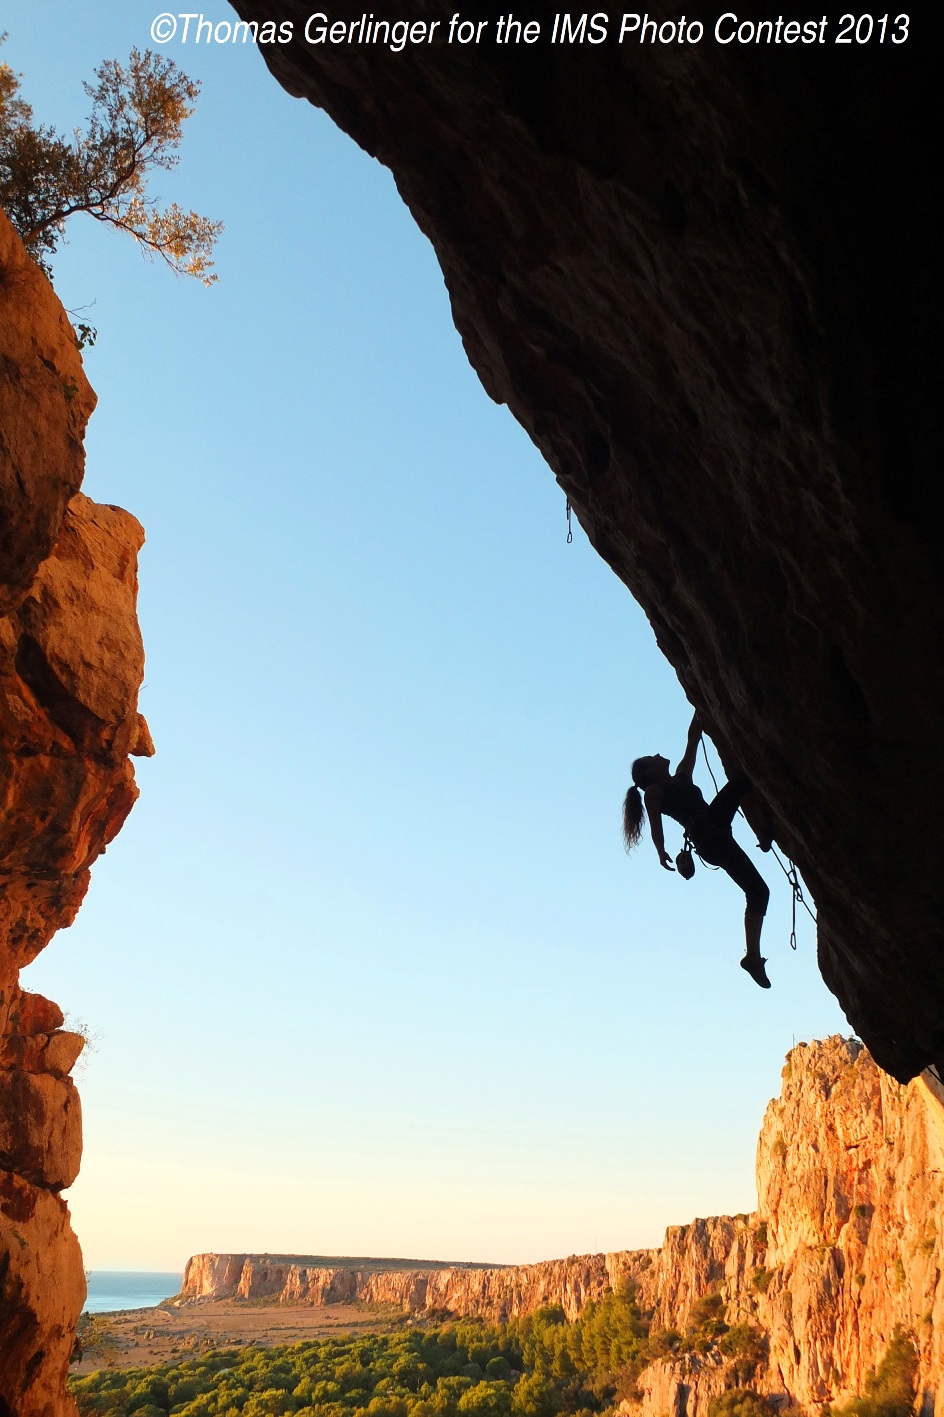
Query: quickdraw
799	898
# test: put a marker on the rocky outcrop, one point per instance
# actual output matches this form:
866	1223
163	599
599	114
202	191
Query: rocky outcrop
845	1245
702	277
71	663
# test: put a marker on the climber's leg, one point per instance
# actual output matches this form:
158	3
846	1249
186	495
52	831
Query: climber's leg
739	793
723	807
758	818
746	875
753	961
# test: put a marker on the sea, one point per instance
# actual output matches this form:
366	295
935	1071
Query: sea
110	1289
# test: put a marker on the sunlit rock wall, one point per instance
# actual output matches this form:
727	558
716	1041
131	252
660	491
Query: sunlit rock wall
71	663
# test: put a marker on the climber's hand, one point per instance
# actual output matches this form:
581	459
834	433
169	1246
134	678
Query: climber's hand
665	861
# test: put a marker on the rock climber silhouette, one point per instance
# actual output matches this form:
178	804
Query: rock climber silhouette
708	827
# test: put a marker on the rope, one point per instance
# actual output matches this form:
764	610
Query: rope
704	750
687	841
570	530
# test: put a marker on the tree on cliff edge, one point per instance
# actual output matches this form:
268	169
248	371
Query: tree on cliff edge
134	127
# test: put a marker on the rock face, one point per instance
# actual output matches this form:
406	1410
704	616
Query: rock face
845	1245
850	1180
71	663
45	403
703	279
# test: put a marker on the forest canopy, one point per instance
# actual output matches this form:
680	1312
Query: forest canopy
536	1366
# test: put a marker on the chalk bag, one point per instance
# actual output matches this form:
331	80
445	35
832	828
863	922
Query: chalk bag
685	864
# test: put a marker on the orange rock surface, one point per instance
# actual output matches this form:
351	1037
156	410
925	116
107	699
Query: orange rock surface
71	663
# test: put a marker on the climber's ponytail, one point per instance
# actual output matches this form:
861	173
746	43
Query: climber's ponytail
633	813
632	818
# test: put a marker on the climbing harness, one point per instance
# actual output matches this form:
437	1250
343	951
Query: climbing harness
570	530
791	873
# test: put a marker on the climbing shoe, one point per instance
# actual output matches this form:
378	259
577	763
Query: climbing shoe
755	968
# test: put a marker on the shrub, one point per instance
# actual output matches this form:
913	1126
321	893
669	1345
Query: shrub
740	1402
499	1368
663	1342
890	1389
706	1323
747	1347
705	1311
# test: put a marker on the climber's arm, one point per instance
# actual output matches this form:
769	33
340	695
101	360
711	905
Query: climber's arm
654	813
687	765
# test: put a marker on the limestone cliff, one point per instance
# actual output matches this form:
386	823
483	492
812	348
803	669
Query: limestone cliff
703	278
845	1244
71	663
310	1279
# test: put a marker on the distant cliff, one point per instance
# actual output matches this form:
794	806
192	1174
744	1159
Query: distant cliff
317	1279
493	1291
844	1245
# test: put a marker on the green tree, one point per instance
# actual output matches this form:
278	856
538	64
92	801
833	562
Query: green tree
536	1396
134	128
486	1399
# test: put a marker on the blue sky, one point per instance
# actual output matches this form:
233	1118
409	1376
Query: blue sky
368	967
